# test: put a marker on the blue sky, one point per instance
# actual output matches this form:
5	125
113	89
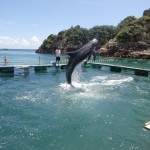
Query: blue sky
26	23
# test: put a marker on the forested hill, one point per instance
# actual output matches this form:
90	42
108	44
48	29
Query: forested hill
130	38
75	37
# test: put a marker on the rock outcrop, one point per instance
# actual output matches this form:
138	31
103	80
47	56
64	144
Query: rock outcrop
138	50
132	39
146	12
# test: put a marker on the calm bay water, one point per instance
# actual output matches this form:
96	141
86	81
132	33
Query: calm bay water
105	111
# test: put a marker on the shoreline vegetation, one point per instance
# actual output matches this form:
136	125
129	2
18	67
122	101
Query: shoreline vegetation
129	39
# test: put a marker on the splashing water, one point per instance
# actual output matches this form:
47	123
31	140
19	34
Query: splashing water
77	73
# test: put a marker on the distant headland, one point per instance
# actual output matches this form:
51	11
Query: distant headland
3	48
129	39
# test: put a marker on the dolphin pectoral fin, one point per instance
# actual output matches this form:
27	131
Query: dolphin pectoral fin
72	54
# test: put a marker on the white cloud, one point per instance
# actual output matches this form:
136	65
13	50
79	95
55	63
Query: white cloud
24	42
8	42
35	40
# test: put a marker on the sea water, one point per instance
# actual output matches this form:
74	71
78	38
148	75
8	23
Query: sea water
104	111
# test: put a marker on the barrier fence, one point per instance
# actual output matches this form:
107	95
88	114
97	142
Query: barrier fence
8	65
39	60
11	60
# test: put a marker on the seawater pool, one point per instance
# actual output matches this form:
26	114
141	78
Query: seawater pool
104	111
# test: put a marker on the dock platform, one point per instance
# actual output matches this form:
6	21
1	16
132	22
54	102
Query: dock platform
118	68
123	67
43	68
10	70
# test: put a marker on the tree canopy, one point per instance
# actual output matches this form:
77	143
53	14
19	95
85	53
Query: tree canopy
75	37
134	30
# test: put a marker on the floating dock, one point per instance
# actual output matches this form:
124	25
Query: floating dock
118	68
9	70
43	68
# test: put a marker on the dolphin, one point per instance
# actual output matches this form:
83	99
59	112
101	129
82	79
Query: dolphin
78	56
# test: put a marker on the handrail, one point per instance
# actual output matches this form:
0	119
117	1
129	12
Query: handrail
39	60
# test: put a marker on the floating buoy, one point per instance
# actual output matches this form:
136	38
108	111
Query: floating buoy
141	73
115	69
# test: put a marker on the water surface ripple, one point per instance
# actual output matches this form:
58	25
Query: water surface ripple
104	111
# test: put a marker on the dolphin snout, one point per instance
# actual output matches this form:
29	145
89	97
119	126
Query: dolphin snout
95	41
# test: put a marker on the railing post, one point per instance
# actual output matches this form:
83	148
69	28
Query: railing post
39	60
5	60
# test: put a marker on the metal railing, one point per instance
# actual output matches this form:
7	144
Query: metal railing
28	60
43	60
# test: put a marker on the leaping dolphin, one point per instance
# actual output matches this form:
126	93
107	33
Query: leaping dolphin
78	56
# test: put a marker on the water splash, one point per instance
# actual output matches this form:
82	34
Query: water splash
95	88
113	82
77	73
75	78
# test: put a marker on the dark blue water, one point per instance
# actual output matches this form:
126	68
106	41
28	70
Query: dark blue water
104	111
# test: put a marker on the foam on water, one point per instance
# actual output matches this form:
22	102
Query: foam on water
95	87
92	87
117	82
96	81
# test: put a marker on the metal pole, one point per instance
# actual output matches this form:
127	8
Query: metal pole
5	60
39	60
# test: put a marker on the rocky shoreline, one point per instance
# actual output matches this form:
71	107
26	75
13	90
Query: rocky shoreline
137	50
